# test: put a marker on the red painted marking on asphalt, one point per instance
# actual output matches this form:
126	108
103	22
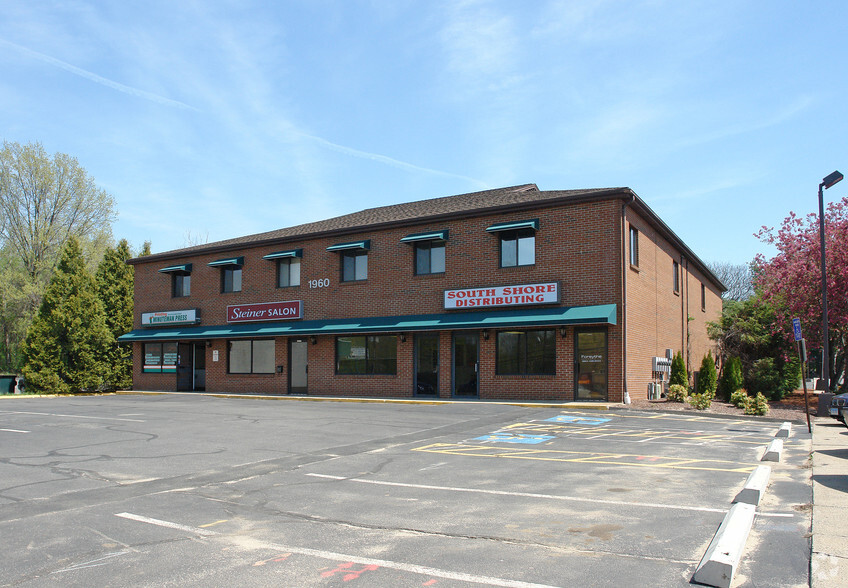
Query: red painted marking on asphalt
276	558
430	582
346	567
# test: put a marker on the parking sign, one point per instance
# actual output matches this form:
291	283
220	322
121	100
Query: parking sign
796	328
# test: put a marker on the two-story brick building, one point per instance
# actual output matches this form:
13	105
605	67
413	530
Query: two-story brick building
513	293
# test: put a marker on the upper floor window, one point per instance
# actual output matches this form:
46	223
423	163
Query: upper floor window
634	246
288	266
675	278
354	260
231	273
180	279
429	251
703	297
517	242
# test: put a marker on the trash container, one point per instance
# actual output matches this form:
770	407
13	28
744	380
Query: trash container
5	381
823	408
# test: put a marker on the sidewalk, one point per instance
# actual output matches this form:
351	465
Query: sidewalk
829	567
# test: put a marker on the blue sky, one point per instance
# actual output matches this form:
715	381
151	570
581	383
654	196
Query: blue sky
212	119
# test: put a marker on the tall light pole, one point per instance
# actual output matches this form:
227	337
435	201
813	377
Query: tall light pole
827	182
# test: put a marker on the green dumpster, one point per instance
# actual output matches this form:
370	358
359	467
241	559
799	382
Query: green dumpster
5	380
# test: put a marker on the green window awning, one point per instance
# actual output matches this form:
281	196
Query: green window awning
185	268
602	314
431	236
513	226
239	261
365	244
284	254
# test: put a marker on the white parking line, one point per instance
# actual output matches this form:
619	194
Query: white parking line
330	555
70	416
545	496
14	431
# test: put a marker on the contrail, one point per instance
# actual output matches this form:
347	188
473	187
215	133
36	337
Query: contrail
99	79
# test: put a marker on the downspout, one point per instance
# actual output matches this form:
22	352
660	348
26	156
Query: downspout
624	273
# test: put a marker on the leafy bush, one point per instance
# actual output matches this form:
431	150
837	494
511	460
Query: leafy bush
678	371
773	378
701	401
677	393
757	406
731	379
707	377
739	398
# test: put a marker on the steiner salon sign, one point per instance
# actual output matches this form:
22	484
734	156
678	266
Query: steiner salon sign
503	296
265	311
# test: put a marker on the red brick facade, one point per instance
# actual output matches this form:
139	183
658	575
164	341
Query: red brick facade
583	246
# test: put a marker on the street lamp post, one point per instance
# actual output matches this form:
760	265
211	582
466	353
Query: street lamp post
827	182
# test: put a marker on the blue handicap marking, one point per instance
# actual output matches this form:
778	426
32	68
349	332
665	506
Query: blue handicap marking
567	418
514	438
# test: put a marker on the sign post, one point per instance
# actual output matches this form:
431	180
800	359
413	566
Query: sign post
802	354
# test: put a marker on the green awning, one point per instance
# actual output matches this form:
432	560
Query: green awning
366	244
431	236
227	261
513	226
602	314
283	254
185	268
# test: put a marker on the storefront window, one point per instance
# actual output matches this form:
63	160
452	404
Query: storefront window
251	357
160	358
526	352
371	354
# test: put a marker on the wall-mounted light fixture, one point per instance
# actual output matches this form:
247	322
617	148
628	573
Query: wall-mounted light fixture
313	339
403	337
209	343
563	331
485	334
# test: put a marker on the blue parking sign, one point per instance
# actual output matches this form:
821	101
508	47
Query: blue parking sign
796	328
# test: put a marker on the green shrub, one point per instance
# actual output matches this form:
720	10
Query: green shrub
739	398
731	378
757	406
678	371
677	393
773	378
707	377
700	401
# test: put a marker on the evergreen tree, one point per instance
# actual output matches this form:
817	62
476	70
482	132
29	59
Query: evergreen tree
678	371
707	377
731	378
114	281
68	340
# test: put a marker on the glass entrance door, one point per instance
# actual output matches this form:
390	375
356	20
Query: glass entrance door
427	364
185	367
590	365
298	366
465	364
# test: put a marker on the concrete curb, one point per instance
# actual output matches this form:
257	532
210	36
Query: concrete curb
755	486
774	451
722	557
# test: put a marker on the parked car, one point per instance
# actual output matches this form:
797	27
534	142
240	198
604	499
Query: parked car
839	407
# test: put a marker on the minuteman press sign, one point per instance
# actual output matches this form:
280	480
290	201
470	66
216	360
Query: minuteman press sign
520	295
265	311
170	317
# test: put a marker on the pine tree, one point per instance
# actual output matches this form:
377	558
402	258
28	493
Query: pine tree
68	340
114	281
731	378
707	377
678	371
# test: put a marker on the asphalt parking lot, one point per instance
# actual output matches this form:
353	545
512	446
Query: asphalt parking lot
195	490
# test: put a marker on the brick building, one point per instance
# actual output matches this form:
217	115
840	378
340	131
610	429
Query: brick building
513	293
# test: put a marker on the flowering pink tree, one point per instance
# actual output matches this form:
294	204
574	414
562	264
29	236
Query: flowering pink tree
791	281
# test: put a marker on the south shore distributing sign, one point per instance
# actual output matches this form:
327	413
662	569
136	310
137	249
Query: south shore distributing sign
265	311
520	295
170	317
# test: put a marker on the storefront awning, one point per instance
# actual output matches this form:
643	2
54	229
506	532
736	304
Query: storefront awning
602	314
284	254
